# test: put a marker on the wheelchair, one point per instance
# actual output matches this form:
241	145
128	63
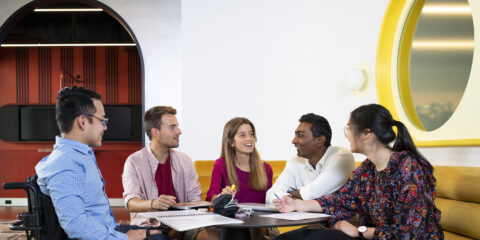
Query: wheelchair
41	221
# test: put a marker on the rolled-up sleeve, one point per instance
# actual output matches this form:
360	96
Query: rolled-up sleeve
131	183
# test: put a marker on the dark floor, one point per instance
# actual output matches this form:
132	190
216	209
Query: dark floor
10	213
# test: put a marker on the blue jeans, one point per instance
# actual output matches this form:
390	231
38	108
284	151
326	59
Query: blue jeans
126	228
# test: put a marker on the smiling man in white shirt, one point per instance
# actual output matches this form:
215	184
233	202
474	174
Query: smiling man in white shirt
318	169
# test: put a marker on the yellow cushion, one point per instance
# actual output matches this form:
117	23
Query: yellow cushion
459	183
460	217
453	236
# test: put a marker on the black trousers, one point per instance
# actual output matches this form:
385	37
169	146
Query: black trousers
314	234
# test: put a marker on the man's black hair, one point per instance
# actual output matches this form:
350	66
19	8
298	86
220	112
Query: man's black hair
319	127
71	103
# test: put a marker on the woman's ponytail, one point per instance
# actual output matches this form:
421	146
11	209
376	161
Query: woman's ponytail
379	120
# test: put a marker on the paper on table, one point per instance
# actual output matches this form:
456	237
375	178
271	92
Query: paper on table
190	219
259	207
162	214
296	215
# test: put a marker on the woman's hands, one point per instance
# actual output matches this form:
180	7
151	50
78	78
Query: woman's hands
346	228
285	204
229	190
288	204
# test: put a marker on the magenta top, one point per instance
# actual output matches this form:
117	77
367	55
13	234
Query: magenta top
244	193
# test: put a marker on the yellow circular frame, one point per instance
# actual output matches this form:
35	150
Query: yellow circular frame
393	60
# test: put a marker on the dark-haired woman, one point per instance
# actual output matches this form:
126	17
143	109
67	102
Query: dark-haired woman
393	190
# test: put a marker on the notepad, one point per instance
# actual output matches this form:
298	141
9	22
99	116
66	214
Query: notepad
189	219
297	215
191	205
259	207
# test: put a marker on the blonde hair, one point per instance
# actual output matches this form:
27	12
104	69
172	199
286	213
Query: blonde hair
257	178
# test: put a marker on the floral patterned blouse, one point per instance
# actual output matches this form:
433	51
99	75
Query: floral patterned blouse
398	201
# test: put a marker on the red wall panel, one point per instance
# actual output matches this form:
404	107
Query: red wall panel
43	73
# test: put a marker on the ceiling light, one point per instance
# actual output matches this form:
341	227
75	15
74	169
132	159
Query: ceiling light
68	10
443	44
66	44
447	9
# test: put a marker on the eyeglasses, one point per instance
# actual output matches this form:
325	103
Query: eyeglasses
102	119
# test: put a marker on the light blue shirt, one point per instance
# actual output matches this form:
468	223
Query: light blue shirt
70	176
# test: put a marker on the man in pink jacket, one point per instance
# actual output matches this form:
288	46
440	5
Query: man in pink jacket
156	177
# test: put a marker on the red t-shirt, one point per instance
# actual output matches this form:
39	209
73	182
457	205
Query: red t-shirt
163	178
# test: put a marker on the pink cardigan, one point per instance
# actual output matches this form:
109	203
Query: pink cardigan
139	179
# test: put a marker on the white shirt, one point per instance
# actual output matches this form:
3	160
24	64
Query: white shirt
330	173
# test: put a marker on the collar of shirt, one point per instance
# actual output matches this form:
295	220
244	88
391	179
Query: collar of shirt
320	163
152	160
76	145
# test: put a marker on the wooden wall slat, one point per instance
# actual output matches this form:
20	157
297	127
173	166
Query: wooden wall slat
134	78
44	75
21	68
111	75
66	64
89	62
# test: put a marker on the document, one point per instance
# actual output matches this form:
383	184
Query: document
259	207
297	215
191	205
189	219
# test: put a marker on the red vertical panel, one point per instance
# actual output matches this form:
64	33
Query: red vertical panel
44	75
100	72
66	66
8	83
123	75
78	65
89	66
33	75
56	72
111	75
134	78
21	60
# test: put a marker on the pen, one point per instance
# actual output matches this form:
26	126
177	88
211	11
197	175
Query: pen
276	196
232	187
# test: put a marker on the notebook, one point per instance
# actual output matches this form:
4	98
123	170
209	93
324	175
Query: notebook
191	205
297	215
189	219
259	207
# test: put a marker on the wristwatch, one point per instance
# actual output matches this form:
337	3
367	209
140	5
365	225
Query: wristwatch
361	231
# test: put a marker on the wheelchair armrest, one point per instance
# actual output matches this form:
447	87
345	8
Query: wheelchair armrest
16	185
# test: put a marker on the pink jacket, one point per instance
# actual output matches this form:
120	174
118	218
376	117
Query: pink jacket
139	179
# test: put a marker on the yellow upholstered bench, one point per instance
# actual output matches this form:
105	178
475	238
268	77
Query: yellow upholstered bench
458	196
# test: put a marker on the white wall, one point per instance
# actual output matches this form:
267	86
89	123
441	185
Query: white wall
270	61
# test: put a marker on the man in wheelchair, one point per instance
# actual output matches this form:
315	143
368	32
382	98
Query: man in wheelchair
70	175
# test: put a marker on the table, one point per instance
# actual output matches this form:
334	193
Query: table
231	231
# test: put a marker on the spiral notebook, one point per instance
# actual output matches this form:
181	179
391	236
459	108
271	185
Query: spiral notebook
189	219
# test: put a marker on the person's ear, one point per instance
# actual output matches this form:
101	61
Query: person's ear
230	143
154	132
81	122
366	134
321	141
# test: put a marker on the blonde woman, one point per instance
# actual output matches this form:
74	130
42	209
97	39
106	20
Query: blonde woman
240	165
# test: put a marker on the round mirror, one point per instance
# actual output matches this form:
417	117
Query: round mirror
440	61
